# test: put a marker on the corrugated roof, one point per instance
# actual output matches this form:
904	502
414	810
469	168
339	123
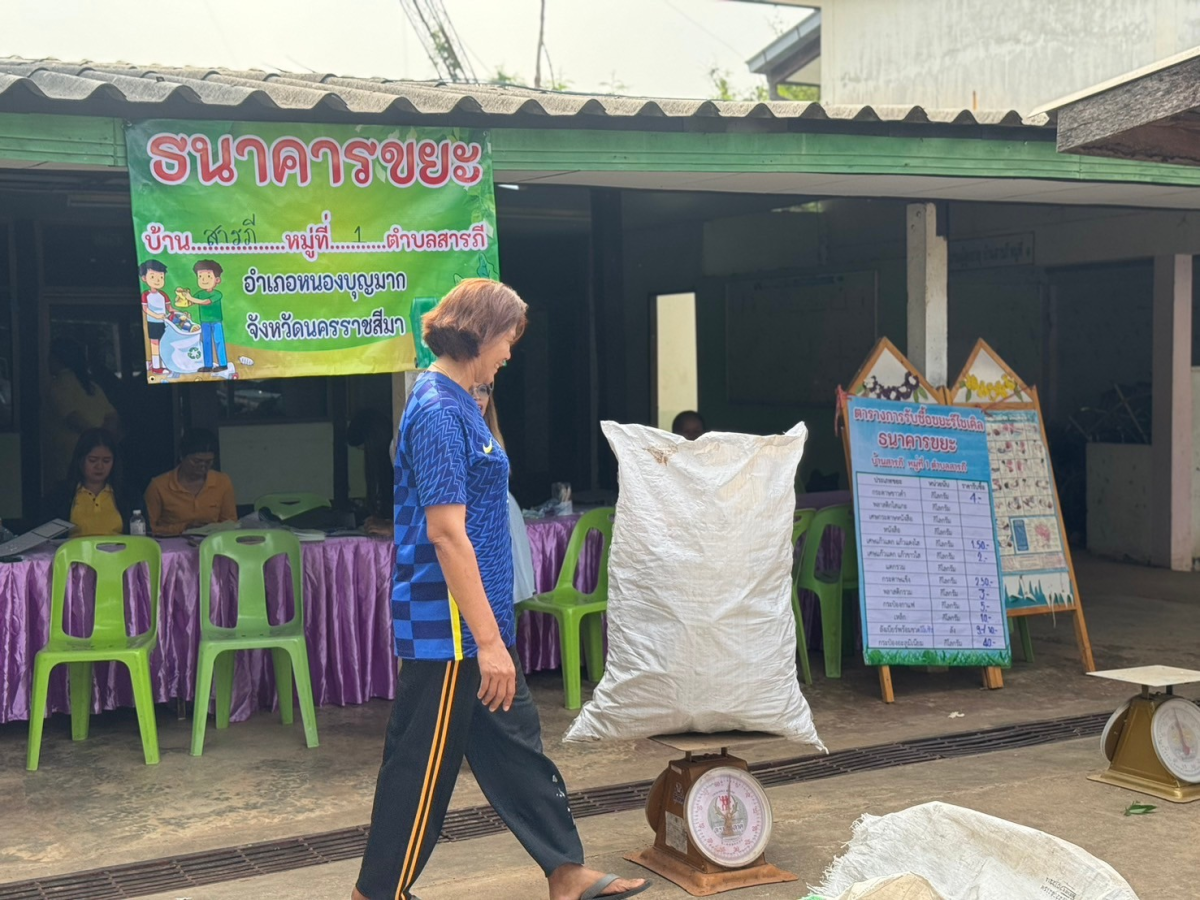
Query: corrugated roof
117	89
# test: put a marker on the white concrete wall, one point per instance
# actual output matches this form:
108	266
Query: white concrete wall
986	54
264	459
1076	235
1118	500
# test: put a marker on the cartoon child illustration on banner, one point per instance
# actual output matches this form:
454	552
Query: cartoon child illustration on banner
212	326
159	312
294	230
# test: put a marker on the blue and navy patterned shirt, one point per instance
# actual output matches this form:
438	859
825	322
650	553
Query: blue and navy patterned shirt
445	455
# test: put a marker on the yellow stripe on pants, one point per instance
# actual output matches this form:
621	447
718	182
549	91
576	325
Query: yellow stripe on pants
432	772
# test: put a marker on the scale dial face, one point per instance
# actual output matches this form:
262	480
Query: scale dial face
728	816
1175	730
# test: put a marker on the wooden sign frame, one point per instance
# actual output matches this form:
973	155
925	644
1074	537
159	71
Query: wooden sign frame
1014	394
992	675
884	347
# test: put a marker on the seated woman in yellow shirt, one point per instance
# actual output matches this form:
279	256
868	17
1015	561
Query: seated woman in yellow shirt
91	496
193	493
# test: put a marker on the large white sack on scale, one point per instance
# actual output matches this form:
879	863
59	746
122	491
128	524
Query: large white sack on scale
967	855
701	635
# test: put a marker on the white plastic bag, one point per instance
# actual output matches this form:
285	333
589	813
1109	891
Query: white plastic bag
701	635
967	855
891	887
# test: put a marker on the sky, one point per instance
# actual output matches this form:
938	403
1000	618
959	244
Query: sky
662	48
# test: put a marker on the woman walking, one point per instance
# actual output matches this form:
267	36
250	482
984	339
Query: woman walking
460	689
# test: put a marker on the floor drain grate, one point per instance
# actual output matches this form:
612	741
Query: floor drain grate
183	872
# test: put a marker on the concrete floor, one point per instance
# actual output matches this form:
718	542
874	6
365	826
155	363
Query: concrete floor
95	803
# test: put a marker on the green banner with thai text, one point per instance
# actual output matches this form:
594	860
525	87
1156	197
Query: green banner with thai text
277	250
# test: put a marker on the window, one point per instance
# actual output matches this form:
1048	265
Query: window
675	354
276	399
89	256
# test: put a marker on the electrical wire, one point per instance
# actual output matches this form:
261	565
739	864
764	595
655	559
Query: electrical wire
712	34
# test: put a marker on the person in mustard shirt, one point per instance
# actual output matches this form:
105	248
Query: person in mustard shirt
91	497
74	404
193	493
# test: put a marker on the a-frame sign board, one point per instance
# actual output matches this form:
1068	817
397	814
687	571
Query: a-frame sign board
1037	572
929	578
888	375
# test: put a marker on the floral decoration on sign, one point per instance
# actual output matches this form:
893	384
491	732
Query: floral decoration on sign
990	390
909	389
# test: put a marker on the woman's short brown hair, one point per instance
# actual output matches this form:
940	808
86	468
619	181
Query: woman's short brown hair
475	313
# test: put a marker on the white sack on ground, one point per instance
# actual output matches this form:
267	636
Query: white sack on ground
700	629
966	854
891	887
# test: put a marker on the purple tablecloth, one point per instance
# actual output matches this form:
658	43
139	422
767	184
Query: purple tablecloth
347	586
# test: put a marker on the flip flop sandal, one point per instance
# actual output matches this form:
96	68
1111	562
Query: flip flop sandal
596	891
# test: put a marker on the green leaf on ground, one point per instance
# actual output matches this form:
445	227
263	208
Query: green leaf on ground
1139	809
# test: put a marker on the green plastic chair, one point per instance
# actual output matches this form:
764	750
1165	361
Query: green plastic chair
251	550
286	505
800	525
577	612
109	641
829	586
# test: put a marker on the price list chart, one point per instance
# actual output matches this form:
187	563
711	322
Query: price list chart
929	562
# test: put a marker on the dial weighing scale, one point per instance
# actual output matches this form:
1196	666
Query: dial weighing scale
712	822
1152	741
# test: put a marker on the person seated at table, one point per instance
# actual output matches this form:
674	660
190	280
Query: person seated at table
91	496
689	424
193	493
524	586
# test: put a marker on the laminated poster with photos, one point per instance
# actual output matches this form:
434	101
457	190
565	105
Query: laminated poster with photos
1035	559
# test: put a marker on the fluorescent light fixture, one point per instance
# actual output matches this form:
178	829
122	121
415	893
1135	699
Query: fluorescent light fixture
97	200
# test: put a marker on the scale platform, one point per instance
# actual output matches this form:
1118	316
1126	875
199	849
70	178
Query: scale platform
1151	676
1136	752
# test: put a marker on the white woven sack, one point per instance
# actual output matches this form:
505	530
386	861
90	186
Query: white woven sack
701	635
892	887
991	859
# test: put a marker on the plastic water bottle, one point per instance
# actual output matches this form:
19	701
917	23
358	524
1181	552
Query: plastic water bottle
137	524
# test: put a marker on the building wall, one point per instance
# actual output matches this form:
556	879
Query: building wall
986	55
542	396
1073	323
1118	500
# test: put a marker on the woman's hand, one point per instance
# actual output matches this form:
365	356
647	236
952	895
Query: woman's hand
497	676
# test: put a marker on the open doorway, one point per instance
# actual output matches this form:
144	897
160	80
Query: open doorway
676	381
